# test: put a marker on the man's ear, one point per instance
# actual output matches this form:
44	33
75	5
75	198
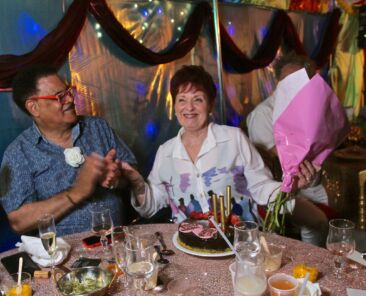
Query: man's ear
32	107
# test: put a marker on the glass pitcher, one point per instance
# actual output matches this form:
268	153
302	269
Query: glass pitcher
250	277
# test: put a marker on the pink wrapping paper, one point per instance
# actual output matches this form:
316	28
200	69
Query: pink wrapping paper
310	128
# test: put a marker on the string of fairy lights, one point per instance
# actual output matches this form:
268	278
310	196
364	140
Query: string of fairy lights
153	9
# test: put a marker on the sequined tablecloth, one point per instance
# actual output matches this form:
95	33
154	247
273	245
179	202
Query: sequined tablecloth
213	273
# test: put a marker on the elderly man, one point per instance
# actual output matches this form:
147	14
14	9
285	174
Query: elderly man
63	164
260	130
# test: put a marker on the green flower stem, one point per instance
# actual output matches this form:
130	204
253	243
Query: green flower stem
273	222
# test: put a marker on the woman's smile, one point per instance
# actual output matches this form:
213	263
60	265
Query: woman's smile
192	108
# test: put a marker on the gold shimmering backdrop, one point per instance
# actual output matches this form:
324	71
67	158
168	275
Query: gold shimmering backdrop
135	98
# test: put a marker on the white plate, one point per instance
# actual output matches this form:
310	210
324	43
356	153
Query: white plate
196	253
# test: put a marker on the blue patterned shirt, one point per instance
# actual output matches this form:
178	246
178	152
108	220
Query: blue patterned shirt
34	169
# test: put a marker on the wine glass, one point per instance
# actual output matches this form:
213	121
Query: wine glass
139	263
340	242
101	225
246	238
47	233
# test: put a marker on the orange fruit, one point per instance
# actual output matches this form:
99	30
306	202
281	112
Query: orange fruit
300	271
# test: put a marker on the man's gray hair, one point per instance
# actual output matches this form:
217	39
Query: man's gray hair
294	59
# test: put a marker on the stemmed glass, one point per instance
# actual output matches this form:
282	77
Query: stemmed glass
47	233
139	263
101	225
340	242
246	238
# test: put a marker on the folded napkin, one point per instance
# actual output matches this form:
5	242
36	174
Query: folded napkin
357	256
312	289
355	292
33	246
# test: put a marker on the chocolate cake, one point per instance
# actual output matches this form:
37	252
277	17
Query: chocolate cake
196	235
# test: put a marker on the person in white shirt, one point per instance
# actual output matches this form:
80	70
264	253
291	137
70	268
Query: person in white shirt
260	130
203	157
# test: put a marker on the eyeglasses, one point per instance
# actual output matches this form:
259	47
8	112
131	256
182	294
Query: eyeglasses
60	97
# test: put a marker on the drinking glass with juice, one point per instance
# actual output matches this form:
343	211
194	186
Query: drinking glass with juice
281	284
25	288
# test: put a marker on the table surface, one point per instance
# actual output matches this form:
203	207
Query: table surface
213	273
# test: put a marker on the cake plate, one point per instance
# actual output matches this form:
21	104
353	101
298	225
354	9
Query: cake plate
197	253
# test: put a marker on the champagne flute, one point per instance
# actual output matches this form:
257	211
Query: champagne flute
101	225
47	233
139	263
340	242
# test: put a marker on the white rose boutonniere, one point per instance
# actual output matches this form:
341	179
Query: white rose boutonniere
74	157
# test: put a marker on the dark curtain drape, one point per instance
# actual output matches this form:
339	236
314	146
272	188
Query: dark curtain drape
54	48
281	29
281	32
328	41
135	49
